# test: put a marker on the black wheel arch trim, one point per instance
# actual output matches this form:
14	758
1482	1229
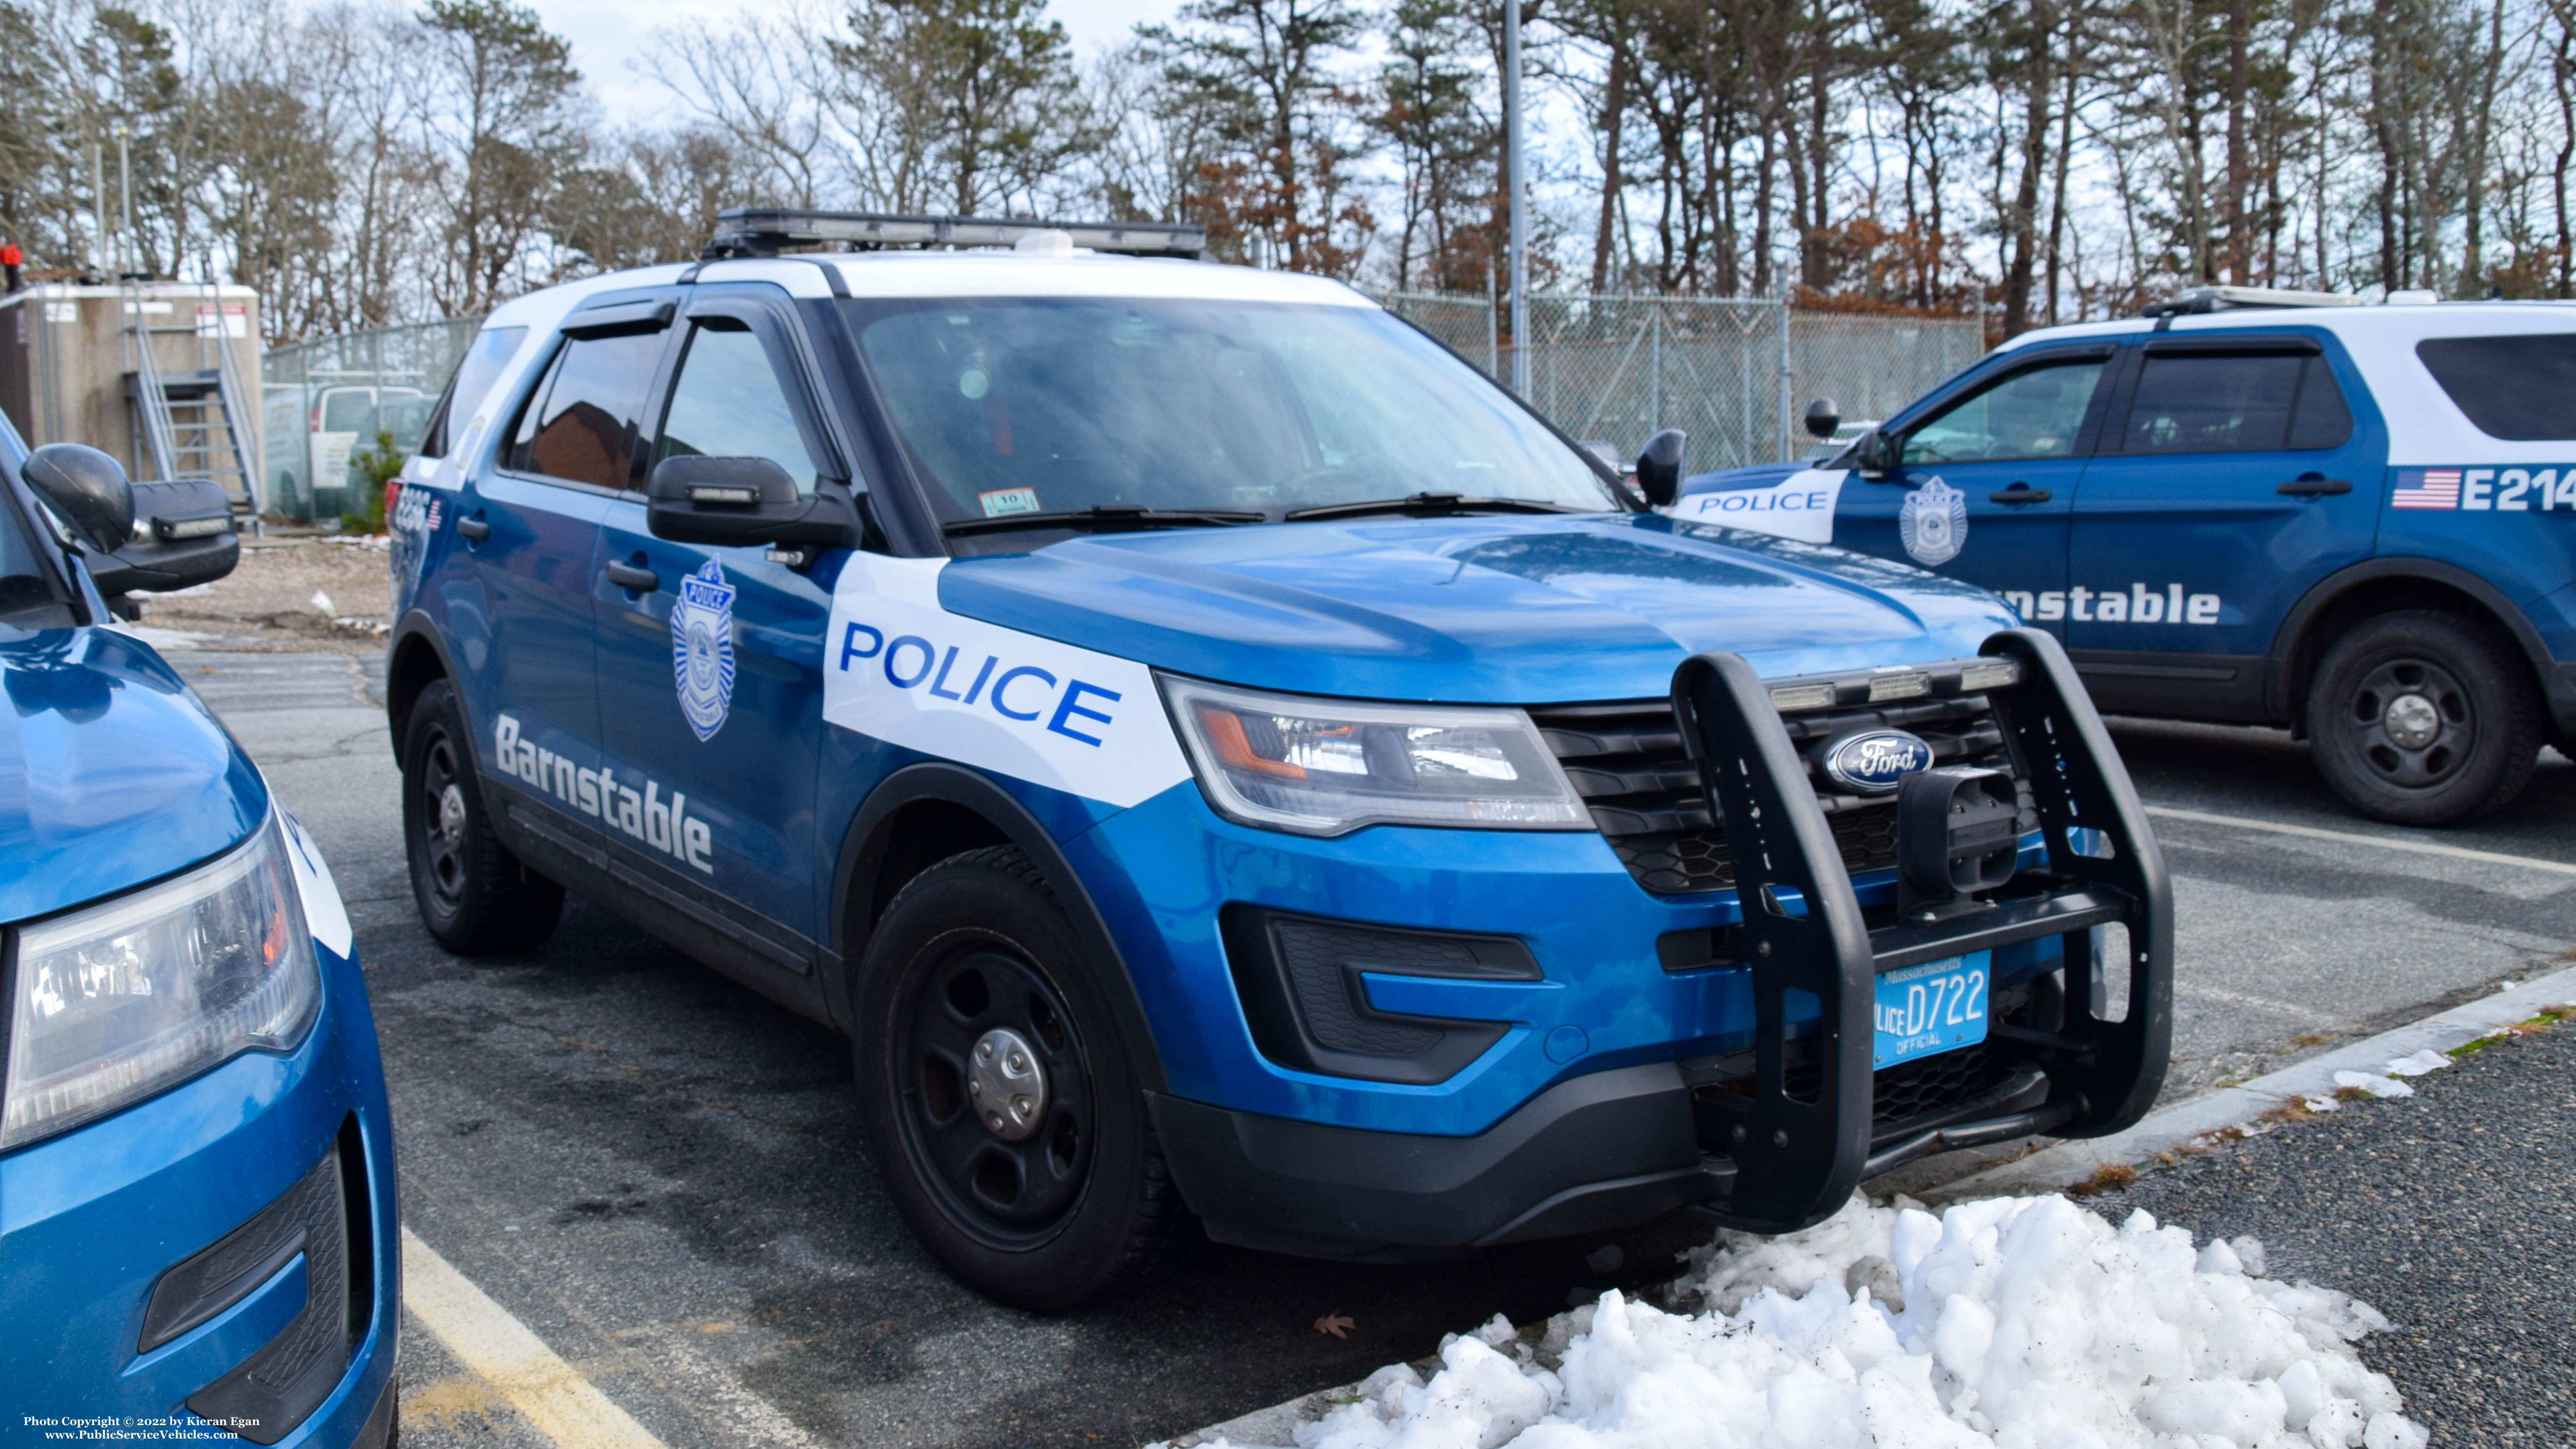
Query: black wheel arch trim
2293	656
416	630
862	855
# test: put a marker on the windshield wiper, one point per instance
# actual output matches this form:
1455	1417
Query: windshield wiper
1104	518
1430	505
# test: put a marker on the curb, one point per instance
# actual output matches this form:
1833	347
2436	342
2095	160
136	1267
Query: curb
2066	1163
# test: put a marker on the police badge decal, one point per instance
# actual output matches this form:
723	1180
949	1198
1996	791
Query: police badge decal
1934	523
702	648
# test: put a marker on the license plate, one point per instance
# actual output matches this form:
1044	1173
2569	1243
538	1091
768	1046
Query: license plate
1932	1008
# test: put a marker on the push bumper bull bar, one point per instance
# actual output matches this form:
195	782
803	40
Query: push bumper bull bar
1787	1159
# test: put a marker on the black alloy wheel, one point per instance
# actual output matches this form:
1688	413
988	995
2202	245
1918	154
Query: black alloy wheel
2412	722
2423	718
996	1096
475	897
1000	1089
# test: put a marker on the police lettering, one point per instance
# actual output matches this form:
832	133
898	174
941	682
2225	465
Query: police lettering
1764	500
1024	693
663	825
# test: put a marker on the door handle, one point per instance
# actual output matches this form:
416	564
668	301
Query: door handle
630	576
2312	485
2018	493
473	528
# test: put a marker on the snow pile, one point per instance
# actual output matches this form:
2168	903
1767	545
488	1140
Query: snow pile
2022	1322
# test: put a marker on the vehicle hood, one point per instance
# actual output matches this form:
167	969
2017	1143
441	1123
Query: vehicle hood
111	773
1510	609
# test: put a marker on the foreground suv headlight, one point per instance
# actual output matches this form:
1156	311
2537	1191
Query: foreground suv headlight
114	1003
1329	766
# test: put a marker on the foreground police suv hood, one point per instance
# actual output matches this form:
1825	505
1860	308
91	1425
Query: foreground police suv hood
1485	610
111	772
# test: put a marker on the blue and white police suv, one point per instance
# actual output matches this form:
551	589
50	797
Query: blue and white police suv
2256	507
1215	752
197	1218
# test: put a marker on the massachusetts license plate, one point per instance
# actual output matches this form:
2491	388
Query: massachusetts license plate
1932	1008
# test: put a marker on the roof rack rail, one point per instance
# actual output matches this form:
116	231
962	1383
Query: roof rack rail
2192	300
765	231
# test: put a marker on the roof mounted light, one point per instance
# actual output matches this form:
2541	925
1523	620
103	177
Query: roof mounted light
2193	300
765	231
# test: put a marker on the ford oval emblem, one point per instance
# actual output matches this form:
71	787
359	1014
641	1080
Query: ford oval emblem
1874	762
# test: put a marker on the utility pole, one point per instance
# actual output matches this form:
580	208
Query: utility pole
125	228
1513	173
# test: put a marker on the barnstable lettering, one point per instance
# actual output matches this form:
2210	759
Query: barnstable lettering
2139	603
665	826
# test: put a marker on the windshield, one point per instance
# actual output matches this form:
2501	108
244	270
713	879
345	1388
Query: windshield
28	598
1043	405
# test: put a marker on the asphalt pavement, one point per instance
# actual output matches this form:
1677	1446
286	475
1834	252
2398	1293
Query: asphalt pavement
660	1175
2453	1212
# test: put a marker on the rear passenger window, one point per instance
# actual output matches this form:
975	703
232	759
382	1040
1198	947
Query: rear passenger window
2235	402
579	425
2522	389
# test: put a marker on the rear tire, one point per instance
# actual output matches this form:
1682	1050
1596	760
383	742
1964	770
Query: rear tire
475	897
1044	1190
2424	718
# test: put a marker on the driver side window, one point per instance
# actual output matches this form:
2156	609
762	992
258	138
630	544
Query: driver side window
2033	414
730	403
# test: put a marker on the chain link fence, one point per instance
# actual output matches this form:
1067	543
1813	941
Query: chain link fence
321	400
1734	373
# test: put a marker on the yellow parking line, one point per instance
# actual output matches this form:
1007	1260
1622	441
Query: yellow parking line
553	1395
2420	847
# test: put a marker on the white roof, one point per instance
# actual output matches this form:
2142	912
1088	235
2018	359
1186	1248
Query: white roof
2425	428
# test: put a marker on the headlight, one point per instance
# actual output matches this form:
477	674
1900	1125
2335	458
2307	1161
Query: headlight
1329	766
114	1003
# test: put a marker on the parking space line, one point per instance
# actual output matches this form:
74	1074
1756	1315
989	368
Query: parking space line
564	1406
2420	847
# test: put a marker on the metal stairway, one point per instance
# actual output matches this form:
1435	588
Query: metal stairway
196	423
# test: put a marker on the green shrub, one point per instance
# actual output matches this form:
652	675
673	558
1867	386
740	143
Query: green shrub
376	461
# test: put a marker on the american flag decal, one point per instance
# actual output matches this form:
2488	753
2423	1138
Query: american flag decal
2434	488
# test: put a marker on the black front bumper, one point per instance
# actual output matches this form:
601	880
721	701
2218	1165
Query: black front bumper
1778	1141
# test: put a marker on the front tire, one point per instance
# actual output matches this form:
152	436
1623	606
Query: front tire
475	897
999	1092
2423	718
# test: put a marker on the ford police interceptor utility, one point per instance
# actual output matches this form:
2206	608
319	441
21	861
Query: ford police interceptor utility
1215	752
197	1229
2256	507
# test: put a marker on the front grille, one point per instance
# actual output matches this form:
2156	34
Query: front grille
1628	763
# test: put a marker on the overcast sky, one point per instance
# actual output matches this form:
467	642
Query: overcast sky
609	36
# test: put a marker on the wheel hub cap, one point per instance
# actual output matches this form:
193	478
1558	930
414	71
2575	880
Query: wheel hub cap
451	816
1006	1085
2411	721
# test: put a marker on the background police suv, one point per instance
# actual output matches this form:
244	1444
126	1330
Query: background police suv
1209	746
2257	507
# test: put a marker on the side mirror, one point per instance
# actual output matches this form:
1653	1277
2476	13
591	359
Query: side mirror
1823	416
1874	456
731	501
1659	466
182	536
88	489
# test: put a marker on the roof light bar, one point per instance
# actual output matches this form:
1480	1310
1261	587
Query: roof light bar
765	231
2194	300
